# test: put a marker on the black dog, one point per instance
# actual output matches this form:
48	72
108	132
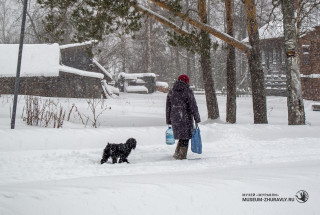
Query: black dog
116	151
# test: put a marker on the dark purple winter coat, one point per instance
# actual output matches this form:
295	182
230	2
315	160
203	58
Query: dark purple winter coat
181	109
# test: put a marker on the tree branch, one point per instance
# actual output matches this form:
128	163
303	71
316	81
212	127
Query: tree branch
161	19
223	36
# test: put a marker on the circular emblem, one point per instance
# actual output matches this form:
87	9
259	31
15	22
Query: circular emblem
302	196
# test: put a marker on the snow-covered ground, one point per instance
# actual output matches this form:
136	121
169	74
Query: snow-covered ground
57	171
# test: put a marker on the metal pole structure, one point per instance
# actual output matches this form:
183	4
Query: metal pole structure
16	87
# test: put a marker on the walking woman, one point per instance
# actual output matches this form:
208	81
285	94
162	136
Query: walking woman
181	110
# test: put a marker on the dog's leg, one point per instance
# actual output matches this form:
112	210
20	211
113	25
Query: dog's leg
104	160
114	159
125	160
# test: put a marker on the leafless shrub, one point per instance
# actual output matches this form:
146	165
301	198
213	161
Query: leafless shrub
47	113
93	106
78	114
43	113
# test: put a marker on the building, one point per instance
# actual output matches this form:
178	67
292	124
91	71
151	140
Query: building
137	82
309	46
51	70
273	60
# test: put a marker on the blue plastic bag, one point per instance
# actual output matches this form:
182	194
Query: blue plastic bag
196	143
169	136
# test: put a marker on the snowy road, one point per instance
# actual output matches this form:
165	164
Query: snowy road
57	171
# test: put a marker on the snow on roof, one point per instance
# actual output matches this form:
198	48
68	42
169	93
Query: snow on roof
269	31
140	81
274	29
37	60
102	68
132	89
68	69
162	84
310	76
78	44
131	76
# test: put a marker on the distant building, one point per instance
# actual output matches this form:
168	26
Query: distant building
137	82
273	60
53	71
309	46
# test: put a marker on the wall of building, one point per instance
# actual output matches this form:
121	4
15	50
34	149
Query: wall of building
311	88
78	57
273	62
41	86
309	47
75	86
66	85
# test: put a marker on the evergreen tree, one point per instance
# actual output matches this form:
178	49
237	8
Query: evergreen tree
91	19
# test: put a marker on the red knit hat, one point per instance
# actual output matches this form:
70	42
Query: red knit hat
184	78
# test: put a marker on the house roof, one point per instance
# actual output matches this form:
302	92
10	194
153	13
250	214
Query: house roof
271	30
37	60
133	76
75	71
102	68
274	29
78	44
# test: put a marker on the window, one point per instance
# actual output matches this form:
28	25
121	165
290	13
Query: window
306	55
274	56
270	56
263	58
283	56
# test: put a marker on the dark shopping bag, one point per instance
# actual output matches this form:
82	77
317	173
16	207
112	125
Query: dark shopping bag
196	143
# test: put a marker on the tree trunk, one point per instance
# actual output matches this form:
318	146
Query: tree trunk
177	61
296	114
205	61
123	53
231	116
34	28
188	53
255	66
149	53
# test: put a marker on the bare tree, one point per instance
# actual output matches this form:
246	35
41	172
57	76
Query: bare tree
9	21
255	65
231	66
253	52
296	114
149	47
304	10
212	103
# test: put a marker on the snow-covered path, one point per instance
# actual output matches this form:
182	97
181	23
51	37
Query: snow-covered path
57	171
214	191
28	155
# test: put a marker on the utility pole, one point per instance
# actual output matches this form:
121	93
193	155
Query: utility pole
16	87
